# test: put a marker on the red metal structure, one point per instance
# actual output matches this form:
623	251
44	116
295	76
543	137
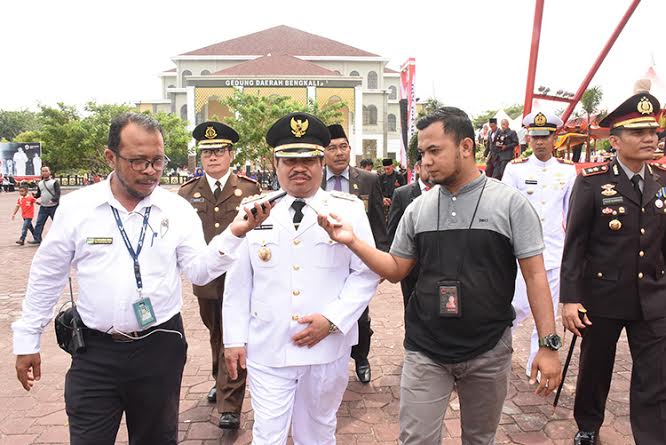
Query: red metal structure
534	55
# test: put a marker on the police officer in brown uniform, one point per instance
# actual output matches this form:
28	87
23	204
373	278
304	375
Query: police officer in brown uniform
217	195
613	267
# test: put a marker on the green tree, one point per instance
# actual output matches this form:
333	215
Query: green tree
482	118
429	106
74	142
514	110
590	102
176	138
252	116
13	123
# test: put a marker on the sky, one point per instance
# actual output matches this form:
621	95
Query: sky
472	53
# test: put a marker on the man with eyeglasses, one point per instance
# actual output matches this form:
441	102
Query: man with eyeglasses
217	196
128	241
340	176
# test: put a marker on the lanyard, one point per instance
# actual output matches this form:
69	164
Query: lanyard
134	254
471	222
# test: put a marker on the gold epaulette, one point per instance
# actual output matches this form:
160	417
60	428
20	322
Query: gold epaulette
564	161
658	165
519	160
253	198
247	179
189	182
343	195
597	169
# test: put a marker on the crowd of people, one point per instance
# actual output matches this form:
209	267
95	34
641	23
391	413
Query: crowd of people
283	279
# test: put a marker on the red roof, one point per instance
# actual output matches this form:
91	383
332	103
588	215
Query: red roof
390	71
279	65
280	40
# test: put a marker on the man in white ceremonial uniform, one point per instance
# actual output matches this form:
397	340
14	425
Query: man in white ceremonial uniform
546	181
293	297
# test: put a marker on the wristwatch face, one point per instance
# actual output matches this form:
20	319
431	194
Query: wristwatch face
552	341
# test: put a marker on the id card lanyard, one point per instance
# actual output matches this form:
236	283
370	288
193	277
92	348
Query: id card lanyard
471	222
143	309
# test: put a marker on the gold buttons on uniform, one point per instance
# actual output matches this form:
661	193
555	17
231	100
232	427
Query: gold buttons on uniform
642	231
599	275
296	267
217	209
641	254
295	317
643	210
217	225
640	275
296	293
297	242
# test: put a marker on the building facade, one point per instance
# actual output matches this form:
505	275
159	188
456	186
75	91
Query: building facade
289	62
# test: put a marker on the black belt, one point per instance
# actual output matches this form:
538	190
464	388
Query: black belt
127	337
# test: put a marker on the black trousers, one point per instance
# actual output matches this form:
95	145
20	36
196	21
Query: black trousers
141	378
362	349
647	396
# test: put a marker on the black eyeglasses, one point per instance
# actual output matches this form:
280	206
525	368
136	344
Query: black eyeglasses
208	152
140	165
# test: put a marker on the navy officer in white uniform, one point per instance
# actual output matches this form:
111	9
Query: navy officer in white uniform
128	241
546	181
293	297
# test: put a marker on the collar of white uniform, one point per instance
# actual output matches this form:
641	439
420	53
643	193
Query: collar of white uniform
314	201
538	163
156	198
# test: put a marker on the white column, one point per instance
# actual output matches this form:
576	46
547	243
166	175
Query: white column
191	118
358	120
312	94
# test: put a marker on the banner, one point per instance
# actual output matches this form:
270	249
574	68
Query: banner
20	159
407	73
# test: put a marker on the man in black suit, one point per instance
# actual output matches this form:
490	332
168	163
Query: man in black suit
505	142
402	197
490	153
342	177
613	271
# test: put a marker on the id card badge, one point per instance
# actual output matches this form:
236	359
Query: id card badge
449	299
143	311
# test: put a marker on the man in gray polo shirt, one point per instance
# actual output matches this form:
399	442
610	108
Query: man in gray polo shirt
466	235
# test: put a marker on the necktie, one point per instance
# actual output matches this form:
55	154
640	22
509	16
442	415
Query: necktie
218	190
636	180
337	186
298	205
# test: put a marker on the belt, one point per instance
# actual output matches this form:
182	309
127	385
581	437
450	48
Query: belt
128	337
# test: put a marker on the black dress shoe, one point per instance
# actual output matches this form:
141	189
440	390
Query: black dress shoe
585	438
363	371
229	421
212	395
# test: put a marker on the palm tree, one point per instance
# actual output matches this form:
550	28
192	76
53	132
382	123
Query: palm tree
589	102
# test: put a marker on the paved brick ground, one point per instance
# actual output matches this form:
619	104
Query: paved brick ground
368	415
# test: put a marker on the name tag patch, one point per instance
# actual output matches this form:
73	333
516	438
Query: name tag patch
611	201
531	181
99	240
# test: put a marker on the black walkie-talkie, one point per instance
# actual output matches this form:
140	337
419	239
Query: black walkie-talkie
77	343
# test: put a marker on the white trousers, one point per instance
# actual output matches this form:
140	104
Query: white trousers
522	307
307	397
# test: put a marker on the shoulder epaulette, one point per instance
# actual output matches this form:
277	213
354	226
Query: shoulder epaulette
247	179
519	160
658	165
343	195
597	169
188	182
564	161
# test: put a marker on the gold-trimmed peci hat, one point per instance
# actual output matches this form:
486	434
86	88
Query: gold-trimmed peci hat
298	135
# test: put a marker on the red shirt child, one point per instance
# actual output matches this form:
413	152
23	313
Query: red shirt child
27	204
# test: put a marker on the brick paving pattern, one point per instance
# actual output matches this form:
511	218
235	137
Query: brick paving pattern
368	414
